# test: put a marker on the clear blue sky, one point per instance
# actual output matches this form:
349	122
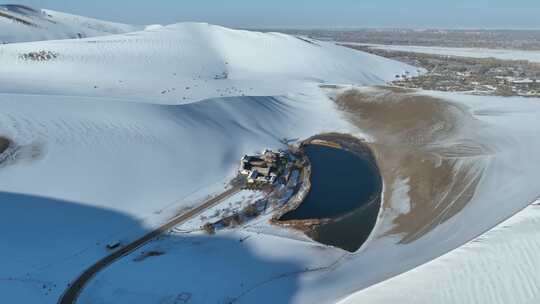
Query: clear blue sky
310	13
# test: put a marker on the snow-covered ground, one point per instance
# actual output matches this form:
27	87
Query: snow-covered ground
93	165
114	135
21	24
499	267
129	166
503	54
265	266
234	204
187	62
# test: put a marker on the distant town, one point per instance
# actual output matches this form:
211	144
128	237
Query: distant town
459	74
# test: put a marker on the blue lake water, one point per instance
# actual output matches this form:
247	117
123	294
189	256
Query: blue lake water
345	187
341	181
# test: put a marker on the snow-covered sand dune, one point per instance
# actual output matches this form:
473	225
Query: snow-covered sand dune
21	23
143	162
111	136
139	157
499	267
468	159
482	147
86	128
186	62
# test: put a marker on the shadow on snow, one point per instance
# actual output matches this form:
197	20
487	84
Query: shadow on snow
46	243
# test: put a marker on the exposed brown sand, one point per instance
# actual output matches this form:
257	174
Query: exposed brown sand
4	144
329	86
400	119
411	142
396	90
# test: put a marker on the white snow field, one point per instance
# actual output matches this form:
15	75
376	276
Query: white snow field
91	166
112	136
499	267
250	265
21	23
85	172
502	54
186	62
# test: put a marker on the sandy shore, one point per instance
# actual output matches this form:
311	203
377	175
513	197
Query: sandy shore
430	169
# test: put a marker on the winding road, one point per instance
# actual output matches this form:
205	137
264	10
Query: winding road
71	295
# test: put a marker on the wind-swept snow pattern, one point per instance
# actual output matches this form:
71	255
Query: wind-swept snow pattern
142	162
20	23
104	139
466	148
184	63
499	267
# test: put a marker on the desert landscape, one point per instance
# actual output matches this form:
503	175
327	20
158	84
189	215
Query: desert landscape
198	163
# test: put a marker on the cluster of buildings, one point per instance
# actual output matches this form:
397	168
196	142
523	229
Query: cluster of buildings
263	168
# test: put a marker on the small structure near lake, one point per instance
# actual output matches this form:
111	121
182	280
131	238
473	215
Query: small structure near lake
263	169
274	176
